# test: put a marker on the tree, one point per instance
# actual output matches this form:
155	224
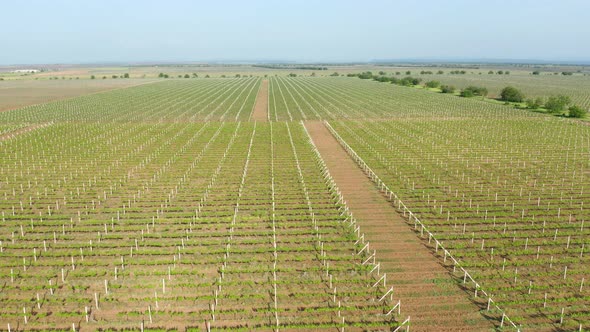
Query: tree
536	72
534	103
440	72
187	76
92	77
491	72
334	74
567	73
472	91
511	94
126	75
447	89
408	73
382	73
557	104
195	75
577	112
432	84
115	76
161	75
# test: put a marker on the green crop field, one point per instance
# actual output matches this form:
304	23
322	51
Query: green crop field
163	206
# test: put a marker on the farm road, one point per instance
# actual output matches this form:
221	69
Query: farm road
260	111
428	294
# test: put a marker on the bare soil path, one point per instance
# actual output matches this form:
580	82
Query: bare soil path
428	293
260	111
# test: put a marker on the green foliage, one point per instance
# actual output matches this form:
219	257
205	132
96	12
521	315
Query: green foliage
447	89
432	84
334	74
92	77
534	103
567	73
557	104
187	76
576	111
472	91
292	75
161	75
126	75
511	94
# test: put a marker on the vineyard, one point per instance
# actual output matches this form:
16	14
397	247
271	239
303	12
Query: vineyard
506	199
205	204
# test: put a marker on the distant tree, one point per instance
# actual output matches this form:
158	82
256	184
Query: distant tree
567	73
534	103
536	72
557	104
382	73
398	73
238	75
577	112
187	76
511	94
179	75
313	74
440	72
161	75
165	76
334	74
126	75
447	89
472	91
92	77
432	84
104	77
491	72
292	75
115	76
500	72
507	73
207	76
195	75
408	73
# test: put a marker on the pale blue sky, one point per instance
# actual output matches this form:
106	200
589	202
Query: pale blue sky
82	31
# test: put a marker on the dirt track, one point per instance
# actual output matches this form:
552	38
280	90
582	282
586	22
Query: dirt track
260	111
427	292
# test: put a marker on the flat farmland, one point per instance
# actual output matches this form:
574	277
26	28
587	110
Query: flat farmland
507	199
179	226
19	93
291	203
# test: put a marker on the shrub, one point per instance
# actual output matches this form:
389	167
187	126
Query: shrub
512	94
447	89
557	104
577	112
432	84
472	91
534	103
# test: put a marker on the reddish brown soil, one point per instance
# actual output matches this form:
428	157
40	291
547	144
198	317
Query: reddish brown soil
260	111
428	293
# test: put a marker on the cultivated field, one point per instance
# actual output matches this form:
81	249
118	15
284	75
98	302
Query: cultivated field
214	204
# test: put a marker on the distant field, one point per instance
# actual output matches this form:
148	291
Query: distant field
19	93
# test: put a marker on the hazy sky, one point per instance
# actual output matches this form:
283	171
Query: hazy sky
81	31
